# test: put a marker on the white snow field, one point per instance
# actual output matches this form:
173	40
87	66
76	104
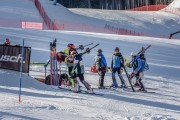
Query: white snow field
13	12
19	9
40	101
148	22
176	4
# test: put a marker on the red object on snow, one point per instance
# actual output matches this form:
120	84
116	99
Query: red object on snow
149	8
93	69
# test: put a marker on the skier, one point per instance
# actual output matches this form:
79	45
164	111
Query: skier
64	77
78	71
137	66
7	42
116	66
145	66
69	60
101	66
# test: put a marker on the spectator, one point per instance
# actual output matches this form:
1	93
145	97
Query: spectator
7	42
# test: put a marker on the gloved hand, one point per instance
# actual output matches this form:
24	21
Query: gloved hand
135	72
127	64
110	69
88	50
121	70
107	69
81	47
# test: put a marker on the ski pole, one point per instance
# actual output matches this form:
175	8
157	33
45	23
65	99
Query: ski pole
50	63
20	79
129	79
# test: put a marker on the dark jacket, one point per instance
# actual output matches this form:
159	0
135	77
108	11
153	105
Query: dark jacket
137	64
100	61
117	60
78	67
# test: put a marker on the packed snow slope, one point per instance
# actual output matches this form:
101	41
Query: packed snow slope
175	4
37	100
19	10
160	57
150	23
42	102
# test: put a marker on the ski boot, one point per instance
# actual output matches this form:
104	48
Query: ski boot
90	90
123	86
76	88
101	87
114	85
136	84
142	90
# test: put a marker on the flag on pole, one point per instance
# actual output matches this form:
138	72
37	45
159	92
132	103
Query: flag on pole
21	66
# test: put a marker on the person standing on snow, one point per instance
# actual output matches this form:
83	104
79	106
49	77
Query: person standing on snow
137	66
61	56
116	66
7	42
101	66
78	71
69	60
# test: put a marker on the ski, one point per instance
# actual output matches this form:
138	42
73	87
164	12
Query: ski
88	93
127	90
78	92
89	49
120	89
146	91
150	88
81	47
53	64
143	50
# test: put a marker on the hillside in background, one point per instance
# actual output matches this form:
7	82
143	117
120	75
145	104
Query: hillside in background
82	26
111	4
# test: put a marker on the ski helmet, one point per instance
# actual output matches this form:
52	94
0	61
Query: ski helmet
73	52
7	42
117	48
132	54
99	51
71	46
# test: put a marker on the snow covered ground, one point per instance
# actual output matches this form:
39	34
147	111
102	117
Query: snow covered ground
13	12
40	101
19	9
114	104
175	4
153	24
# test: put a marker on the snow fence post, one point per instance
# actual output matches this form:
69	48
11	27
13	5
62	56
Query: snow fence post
20	78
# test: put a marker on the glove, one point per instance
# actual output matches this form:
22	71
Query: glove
66	60
88	50
121	70
107	69
81	47
127	64
135	72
